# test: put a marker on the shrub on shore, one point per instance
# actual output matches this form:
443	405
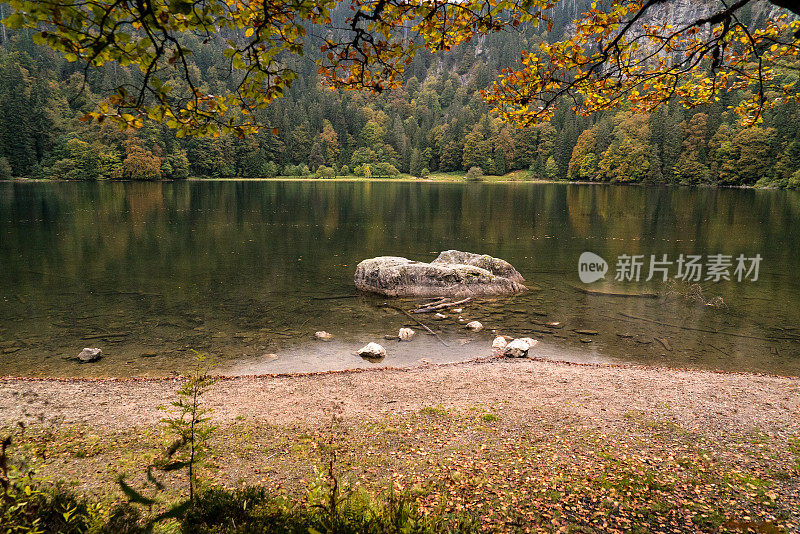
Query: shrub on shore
474	174
5	169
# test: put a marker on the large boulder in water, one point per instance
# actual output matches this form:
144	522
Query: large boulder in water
496	266
453	273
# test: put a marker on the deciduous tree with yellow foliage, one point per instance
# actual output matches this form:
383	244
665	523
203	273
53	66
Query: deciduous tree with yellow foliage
614	55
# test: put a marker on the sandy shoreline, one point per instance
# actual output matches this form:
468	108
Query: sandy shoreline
562	443
597	395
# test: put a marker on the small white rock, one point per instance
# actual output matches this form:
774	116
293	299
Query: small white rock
372	350
90	355
519	347
406	334
499	343
322	335
475	326
439	316
458	310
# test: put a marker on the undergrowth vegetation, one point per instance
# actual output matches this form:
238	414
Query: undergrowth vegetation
30	505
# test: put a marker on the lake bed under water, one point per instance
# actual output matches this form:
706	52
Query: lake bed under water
152	272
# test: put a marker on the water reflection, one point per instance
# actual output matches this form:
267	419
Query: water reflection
150	271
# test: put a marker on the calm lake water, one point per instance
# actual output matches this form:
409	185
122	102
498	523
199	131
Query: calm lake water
151	272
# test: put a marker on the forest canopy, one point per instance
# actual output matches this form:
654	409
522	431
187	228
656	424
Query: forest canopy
615	52
433	106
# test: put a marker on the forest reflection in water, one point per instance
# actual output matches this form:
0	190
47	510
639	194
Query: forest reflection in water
151	272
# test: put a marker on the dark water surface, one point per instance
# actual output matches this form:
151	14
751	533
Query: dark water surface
150	272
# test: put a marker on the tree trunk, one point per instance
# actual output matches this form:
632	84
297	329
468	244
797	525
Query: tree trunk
2	16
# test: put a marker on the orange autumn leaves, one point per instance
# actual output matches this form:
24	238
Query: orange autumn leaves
615	58
615	55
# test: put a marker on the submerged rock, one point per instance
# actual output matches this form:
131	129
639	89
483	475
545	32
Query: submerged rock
372	351
519	347
322	335
406	334
90	355
475	326
452	273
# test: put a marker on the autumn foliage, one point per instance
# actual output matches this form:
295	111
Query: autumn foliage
614	55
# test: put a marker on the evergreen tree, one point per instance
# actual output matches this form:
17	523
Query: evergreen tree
16	143
415	163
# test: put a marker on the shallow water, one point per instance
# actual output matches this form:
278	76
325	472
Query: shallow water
151	272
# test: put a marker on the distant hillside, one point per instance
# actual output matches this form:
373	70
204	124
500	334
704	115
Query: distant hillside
436	122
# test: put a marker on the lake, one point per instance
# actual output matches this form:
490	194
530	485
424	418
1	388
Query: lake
154	272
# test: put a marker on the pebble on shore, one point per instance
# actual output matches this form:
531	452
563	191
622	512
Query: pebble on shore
372	351
519	347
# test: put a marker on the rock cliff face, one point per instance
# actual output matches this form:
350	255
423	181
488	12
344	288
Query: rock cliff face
677	13
453	273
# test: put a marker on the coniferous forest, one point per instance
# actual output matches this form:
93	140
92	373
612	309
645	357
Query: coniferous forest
437	123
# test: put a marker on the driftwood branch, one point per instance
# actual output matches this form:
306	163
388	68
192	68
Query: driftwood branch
423	325
109	334
664	343
435	301
429	309
614	293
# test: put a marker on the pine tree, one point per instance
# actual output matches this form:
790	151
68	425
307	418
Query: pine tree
15	140
5	169
450	157
500	162
415	164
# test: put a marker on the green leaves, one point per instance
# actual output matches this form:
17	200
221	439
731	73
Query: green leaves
15	21
184	7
